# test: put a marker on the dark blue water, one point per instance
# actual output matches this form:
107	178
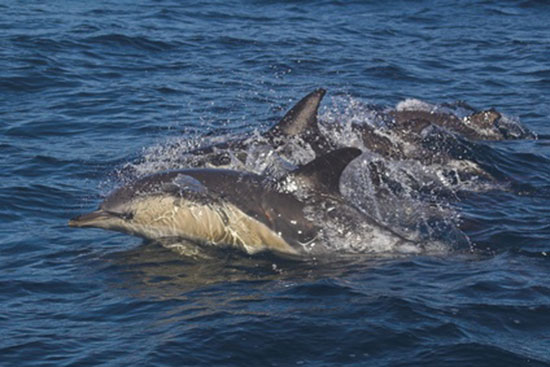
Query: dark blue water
88	89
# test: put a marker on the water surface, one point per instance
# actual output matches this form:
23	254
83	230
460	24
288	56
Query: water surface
87	90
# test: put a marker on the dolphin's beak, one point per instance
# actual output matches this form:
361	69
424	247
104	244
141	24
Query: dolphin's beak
94	219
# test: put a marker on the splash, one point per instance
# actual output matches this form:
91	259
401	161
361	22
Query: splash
413	104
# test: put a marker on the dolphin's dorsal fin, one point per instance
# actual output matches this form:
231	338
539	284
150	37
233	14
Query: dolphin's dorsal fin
301	118
323	174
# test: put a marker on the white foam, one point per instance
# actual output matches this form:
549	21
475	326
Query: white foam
412	104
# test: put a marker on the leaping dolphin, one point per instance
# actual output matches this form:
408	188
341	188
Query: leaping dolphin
225	207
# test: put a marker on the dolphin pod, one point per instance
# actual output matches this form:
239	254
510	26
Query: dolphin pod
254	213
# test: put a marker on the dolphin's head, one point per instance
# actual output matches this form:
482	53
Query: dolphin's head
146	208
117	215
494	126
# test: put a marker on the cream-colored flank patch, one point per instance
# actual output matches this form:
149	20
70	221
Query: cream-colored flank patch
218	224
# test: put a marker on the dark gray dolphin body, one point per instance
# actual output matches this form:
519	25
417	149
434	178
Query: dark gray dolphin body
299	125
224	207
410	134
482	125
441	142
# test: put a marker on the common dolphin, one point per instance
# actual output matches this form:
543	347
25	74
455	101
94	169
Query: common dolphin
404	134
225	207
298	126
418	134
482	125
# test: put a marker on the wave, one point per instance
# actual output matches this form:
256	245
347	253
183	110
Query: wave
134	42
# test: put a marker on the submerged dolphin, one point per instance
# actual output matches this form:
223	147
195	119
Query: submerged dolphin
225	207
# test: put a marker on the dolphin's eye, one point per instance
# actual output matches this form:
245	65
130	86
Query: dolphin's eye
127	216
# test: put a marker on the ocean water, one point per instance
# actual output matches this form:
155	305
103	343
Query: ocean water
94	94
